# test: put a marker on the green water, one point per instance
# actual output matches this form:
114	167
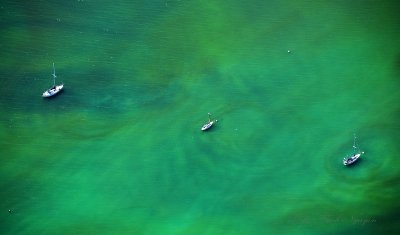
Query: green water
120	150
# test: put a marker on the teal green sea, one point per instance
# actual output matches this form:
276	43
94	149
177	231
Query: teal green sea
120	150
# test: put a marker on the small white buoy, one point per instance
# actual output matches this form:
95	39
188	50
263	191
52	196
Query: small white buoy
288	51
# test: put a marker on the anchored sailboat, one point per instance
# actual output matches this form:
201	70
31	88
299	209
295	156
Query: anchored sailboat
356	154
209	124
55	89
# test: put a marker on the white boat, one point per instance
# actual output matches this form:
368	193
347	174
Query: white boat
55	89
356	155
209	124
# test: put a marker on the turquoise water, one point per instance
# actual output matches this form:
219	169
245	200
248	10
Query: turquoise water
120	151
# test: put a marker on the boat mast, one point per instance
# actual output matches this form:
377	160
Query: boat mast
54	75
354	143
209	117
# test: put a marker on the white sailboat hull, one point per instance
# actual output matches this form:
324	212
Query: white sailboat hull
53	91
207	126
352	159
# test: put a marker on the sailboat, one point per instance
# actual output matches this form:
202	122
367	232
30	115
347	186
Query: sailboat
55	89
209	124
356	155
